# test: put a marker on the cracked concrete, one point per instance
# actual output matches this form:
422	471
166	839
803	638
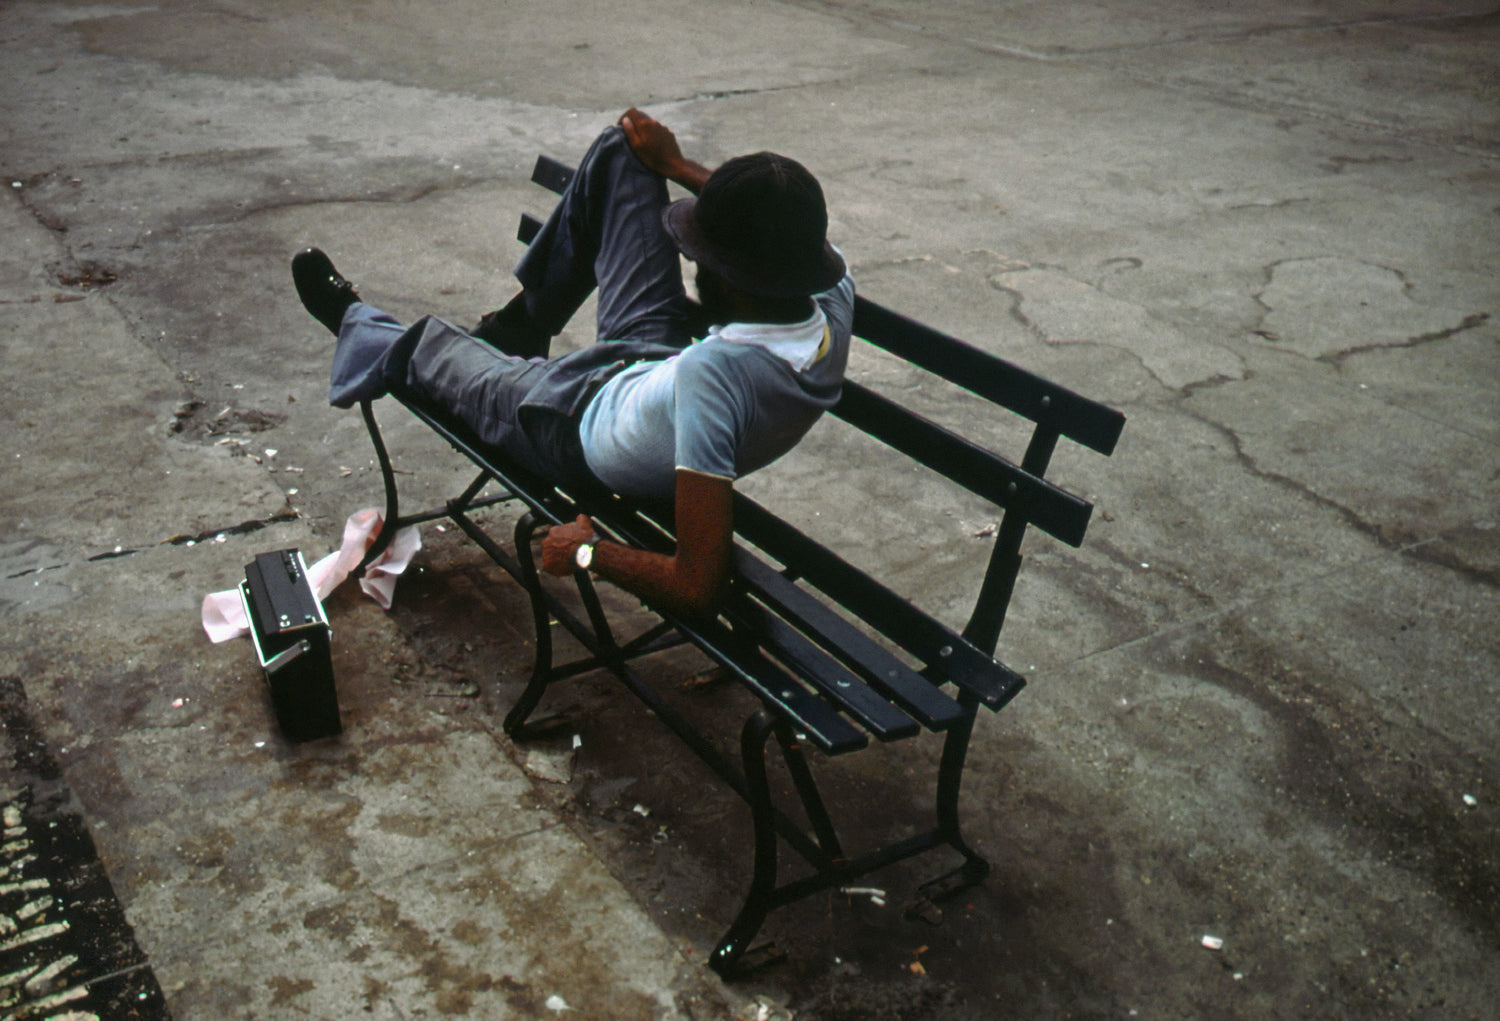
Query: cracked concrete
1261	693
1064	310
1317	306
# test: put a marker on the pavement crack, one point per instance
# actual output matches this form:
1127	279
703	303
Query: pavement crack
1445	556
1212	383
730	93
1337	164
1021	318
35	570
389	197
117	552
180	539
56	297
243	528
1469	322
1387	538
1151	362
1280	204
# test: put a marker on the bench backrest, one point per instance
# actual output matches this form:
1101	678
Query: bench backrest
1021	490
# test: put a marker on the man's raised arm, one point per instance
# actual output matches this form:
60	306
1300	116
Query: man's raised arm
689	581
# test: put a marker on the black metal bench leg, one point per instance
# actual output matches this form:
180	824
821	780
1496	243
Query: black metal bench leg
950	776
727	958
812	799
392	501
541	619
609	650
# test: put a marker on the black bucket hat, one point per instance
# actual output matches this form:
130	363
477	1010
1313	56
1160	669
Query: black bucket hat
760	223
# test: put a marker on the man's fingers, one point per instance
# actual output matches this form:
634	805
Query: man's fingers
633	121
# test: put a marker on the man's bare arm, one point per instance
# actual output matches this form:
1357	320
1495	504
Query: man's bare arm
654	145
689	581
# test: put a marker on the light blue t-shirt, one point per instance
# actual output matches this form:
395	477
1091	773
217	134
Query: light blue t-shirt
730	404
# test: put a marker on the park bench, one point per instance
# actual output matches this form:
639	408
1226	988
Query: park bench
833	656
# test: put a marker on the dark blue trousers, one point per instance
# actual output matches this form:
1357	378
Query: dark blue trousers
604	234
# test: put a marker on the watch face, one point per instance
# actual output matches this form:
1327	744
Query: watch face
584	556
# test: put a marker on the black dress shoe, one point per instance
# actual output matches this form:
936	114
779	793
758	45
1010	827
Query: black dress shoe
324	293
511	331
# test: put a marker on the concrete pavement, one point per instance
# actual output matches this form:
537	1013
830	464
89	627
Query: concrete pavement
1262	706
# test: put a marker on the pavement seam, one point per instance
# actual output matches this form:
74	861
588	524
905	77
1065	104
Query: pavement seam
1245	602
1062	53
1207	91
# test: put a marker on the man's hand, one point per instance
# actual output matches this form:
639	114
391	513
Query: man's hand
652	142
654	145
561	545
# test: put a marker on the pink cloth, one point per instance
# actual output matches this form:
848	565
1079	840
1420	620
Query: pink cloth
224	613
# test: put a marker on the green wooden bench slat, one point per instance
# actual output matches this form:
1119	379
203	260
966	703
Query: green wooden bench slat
1056	511
835	682
894	679
813	717
529	228
945	655
1044	402
551	174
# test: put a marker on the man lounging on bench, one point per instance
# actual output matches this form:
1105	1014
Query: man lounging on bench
649	411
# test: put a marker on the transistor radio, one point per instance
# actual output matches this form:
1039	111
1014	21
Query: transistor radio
291	636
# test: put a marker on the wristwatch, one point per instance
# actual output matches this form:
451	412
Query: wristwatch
583	556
